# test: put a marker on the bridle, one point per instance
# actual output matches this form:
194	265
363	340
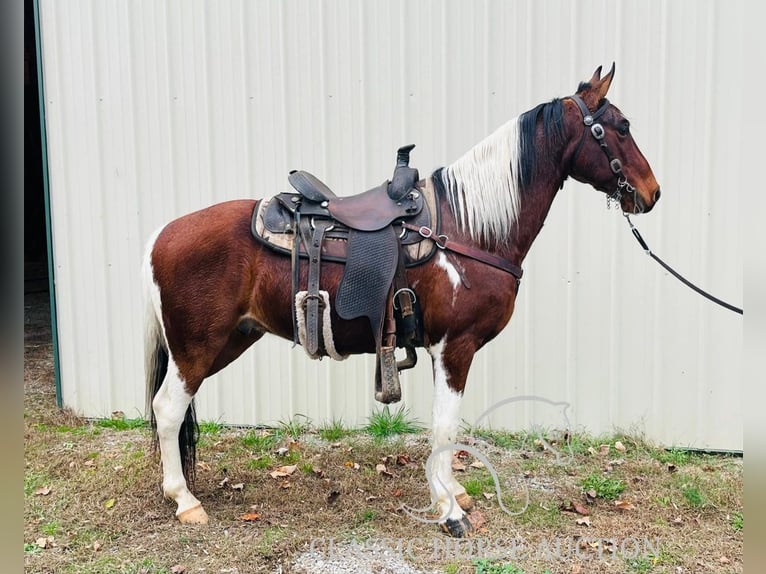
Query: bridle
597	131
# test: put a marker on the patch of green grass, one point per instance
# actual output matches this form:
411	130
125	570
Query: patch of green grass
31	548
502	439
641	565
476	486
545	515
485	566
737	521
383	424
604	487
260	441
675	456
50	528
211	427
294	427
693	495
334	430
261	463
451	568
121	424
367	515
33	481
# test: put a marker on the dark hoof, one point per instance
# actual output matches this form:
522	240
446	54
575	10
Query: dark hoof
457	528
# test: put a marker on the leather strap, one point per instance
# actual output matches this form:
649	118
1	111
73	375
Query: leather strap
314	302
443	242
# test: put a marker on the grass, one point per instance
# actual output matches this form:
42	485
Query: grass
334	431
384	424
604	487
121	424
485	566
695	510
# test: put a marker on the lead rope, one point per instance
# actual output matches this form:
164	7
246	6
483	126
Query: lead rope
649	252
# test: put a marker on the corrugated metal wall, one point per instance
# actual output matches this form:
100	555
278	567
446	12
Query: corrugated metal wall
155	109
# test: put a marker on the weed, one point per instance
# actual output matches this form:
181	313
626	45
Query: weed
384	424
294	427
261	463
692	495
737	521
306	468
674	456
367	515
334	430
604	487
269	539
31	548
451	568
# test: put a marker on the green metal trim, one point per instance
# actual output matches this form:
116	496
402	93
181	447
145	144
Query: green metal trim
46	192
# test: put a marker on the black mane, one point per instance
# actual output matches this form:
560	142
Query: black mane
551	115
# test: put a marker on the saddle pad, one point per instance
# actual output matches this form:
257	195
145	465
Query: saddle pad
370	267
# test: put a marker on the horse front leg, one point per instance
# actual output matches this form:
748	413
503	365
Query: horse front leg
451	362
170	405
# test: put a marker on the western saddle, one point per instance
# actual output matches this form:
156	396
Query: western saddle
376	235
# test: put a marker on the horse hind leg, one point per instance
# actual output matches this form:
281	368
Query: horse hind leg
447	494
176	427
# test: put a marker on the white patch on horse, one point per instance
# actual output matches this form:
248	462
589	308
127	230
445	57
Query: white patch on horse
452	272
446	407
482	186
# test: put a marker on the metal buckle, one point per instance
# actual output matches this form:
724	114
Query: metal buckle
598	131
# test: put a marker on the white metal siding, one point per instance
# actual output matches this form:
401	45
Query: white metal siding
155	109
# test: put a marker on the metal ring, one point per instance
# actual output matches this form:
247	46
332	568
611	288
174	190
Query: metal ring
413	297
441	241
332	225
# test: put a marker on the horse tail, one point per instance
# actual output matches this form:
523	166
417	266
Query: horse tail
156	361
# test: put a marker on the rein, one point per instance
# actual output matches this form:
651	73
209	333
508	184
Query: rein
675	274
597	131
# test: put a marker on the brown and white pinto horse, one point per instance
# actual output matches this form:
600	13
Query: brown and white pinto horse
213	290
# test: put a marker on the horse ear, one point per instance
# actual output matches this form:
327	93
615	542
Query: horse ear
597	87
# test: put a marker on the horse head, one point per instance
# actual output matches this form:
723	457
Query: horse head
604	154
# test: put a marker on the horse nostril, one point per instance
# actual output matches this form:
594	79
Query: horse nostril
657	195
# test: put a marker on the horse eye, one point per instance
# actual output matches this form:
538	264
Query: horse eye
623	129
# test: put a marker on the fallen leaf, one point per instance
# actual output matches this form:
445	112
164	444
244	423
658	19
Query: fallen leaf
402	459
332	496
285	484
592	493
249	516
477	464
238	486
603	450
620	447
576	507
282	451
293	445
318	472
351	464
371	498
118	415
178	569
397	493
90	462
381	469
42	542
457	465
624	505
224	481
592	451
110	503
283	471
96	546
477	519
488	495
584	521
724	560
677	521
43	491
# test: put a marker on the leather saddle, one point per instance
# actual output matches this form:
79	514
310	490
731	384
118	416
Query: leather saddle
365	233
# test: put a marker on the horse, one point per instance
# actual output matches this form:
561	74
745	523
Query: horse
212	290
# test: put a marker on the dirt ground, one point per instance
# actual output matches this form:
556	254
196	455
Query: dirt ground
297	499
